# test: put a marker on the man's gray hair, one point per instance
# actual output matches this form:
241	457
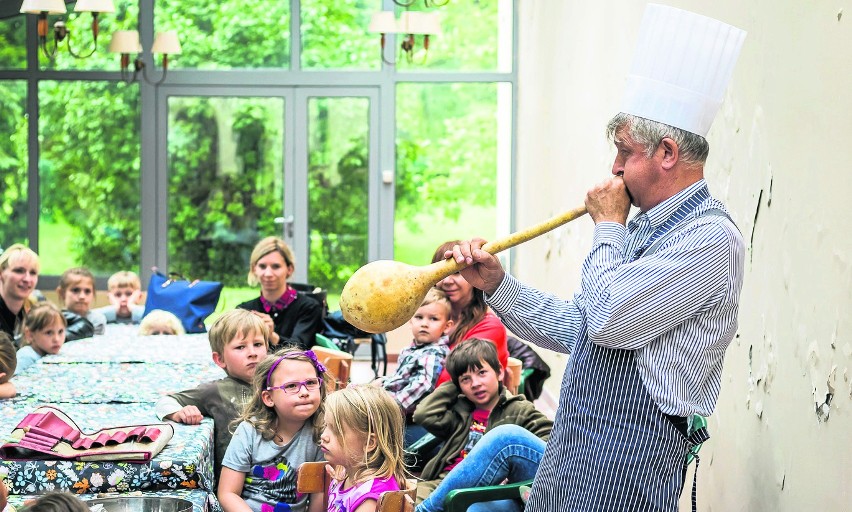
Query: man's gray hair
693	148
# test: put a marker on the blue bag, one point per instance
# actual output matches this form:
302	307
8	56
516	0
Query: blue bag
191	302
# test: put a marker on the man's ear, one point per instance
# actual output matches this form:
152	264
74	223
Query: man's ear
671	153
219	360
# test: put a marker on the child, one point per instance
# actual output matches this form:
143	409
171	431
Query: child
125	290
278	431
238	340
8	363
44	333
362	439
76	291
421	363
160	322
56	502
490	434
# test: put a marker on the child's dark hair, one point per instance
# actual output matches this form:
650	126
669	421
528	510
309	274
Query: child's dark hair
262	416
8	357
469	356
57	502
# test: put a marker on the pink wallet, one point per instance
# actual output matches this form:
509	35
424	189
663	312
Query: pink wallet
48	433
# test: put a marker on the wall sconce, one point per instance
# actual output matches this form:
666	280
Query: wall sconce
43	8
126	42
410	23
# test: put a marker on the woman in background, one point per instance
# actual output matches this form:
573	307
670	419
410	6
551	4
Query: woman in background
470	315
19	267
293	318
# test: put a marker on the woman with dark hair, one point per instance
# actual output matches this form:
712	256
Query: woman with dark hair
293	318
470	315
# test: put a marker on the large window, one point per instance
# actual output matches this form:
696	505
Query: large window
278	118
13	162
229	34
225	182
446	151
88	176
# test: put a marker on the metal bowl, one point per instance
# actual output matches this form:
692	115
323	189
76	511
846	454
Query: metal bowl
142	504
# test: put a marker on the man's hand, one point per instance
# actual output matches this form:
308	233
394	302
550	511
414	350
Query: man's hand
609	201
189	415
484	272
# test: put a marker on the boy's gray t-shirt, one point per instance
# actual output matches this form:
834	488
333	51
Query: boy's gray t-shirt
271	469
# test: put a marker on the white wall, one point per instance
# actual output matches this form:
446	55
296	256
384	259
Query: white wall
779	158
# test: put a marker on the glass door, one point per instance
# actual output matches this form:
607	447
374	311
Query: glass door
336	161
300	163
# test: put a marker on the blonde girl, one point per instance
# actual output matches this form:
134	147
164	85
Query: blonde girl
278	431
44	333
76	292
160	322
362	439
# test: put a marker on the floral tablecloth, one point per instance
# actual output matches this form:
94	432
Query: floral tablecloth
185	463
110	382
121	344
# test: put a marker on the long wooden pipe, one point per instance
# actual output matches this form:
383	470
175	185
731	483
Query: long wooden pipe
384	294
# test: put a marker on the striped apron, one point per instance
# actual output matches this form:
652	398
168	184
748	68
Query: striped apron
615	450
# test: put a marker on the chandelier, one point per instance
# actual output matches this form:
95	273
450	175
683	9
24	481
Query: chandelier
126	42
410	24
42	8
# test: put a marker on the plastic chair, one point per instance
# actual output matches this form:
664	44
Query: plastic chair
312	478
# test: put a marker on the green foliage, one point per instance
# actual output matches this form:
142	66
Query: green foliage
446	149
13	163
13	50
230	34
337	189
89	170
221	201
333	34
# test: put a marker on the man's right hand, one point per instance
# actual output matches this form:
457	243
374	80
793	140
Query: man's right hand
484	270
609	201
189	415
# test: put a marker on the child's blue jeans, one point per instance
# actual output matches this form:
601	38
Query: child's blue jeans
506	452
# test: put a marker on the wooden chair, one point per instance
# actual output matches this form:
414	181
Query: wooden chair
337	362
312	478
512	376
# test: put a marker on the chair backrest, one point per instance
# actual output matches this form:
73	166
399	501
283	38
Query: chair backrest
512	377
337	363
312	478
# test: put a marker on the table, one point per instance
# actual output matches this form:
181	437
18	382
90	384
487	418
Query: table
108	381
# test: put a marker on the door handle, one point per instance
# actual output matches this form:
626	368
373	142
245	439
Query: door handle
288	225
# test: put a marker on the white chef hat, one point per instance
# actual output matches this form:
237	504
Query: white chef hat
682	64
